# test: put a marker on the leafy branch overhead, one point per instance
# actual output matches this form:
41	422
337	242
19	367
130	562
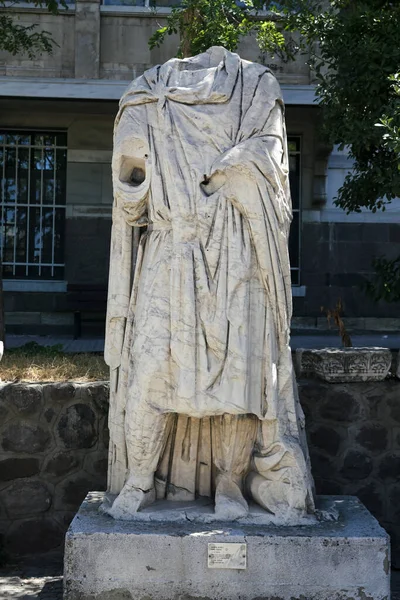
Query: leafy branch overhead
204	23
386	282
25	39
353	48
356	58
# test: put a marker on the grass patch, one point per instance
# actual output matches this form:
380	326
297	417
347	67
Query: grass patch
33	362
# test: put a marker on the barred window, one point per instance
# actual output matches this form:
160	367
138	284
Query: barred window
33	190
295	229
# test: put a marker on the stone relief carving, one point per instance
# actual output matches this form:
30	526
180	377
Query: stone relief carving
203	396
345	364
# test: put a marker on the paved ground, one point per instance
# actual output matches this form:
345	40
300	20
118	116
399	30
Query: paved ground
299	339
35	578
40	578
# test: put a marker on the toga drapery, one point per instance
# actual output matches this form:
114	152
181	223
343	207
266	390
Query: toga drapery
202	328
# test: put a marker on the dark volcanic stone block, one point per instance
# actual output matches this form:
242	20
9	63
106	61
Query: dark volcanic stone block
76	427
373	437
99	393
326	438
394	406
21	437
70	493
24	497
14	468
61	464
356	465
34	535
390	467
59	392
394	504
340	406
25	399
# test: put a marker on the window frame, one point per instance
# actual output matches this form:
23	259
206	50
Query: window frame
298	152
28	205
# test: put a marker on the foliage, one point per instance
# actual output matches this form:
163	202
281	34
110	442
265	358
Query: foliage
353	48
35	349
355	53
391	121
356	58
386	282
204	23
26	39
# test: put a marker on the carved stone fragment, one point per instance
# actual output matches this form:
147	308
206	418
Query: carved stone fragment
345	364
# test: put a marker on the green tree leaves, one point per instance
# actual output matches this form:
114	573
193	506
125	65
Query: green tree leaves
21	39
355	52
204	23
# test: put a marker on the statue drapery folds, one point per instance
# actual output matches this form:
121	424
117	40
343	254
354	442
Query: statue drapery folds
200	329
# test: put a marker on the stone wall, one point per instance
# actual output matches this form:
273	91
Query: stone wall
54	441
54	450
353	431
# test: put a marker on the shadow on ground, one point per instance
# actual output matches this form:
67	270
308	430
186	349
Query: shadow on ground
39	577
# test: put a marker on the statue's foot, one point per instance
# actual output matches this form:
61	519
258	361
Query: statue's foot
229	502
130	500
107	503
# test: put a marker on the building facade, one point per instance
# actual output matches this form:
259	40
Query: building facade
56	125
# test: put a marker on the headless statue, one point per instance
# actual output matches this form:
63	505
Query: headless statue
199	308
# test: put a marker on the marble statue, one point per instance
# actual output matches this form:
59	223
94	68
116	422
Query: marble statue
203	395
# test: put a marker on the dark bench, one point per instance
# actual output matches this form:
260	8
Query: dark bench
86	300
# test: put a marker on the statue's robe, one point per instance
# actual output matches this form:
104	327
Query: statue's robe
202	328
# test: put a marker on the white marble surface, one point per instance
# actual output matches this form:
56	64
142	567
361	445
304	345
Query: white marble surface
202	328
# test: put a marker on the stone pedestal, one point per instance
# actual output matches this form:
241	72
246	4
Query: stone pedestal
149	559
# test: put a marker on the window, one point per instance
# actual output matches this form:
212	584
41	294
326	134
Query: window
295	230
33	183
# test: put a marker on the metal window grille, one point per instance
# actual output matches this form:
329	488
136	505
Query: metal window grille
294	147
32	193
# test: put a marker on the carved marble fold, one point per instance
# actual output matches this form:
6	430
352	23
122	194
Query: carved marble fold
197	334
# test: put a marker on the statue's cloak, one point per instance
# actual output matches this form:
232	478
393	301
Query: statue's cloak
202	328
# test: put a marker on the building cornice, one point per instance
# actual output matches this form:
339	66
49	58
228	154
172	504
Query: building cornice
102	89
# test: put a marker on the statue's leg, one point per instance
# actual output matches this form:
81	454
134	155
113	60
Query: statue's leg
146	431
233	438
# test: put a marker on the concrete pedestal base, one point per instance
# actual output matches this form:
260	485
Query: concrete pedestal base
151	560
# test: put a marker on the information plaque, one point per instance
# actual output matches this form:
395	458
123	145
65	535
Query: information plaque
227	556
